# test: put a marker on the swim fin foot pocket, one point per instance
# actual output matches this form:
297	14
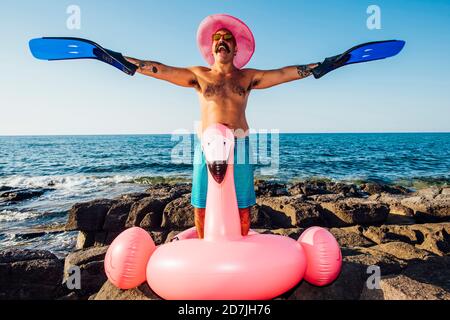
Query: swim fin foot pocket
119	61
330	64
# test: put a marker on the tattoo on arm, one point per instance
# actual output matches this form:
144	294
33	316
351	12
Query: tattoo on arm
306	70
151	66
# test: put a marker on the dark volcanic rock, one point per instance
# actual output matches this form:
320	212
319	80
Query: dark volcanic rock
287	212
111	292
150	208
27	274
293	233
173	191
434	271
400	250
374	188
433	237
436	237
89	216
259	218
401	287
179	214
348	286
91	264
85	240
16	195
351	237
388	263
309	188
319	198
390	233
421	280
159	237
398	213
117	215
431	192
171	235
428	209
354	211
347	190
270	189
132	197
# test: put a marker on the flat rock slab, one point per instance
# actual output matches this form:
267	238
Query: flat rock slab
355	211
400	250
92	270
401	287
350	237
292	211
29	274
111	292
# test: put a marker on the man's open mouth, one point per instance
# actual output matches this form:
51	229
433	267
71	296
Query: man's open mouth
222	46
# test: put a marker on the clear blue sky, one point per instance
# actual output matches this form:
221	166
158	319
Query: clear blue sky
410	92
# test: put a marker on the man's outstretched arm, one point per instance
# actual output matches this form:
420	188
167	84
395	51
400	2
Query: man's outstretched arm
263	79
184	77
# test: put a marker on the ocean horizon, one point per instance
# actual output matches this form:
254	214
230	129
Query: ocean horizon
191	133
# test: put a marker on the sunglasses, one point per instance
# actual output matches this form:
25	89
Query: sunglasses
226	36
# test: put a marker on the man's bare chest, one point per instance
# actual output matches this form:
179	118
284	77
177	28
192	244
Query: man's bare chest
223	88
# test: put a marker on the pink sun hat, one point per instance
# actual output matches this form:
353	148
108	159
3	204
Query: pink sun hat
242	33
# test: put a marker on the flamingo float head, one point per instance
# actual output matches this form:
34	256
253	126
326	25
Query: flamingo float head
222	220
217	145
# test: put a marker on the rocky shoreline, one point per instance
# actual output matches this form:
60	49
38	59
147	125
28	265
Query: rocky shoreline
404	233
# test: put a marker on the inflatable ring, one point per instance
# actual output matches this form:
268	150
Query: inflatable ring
226	265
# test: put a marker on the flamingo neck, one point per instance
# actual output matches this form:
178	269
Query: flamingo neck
222	220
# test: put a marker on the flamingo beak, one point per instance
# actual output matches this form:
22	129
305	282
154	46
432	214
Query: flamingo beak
218	169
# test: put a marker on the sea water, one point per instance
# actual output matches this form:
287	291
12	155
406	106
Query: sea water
84	168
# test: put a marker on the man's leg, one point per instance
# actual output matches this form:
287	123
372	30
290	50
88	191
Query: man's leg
199	217
243	179
245	220
199	214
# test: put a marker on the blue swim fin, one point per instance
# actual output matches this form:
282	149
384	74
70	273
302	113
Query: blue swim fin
362	53
53	48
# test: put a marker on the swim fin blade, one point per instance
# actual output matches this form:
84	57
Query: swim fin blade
366	52
59	48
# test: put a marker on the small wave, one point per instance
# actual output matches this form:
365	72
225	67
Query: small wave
134	167
10	215
160	179
61	182
423	182
58	243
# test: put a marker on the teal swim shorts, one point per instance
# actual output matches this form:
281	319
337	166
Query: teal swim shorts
243	175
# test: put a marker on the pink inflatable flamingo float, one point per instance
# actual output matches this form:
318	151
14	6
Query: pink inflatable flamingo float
224	265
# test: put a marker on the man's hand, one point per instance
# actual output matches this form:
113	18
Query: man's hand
306	71
184	77
263	79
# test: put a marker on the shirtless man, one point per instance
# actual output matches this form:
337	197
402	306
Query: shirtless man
223	90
